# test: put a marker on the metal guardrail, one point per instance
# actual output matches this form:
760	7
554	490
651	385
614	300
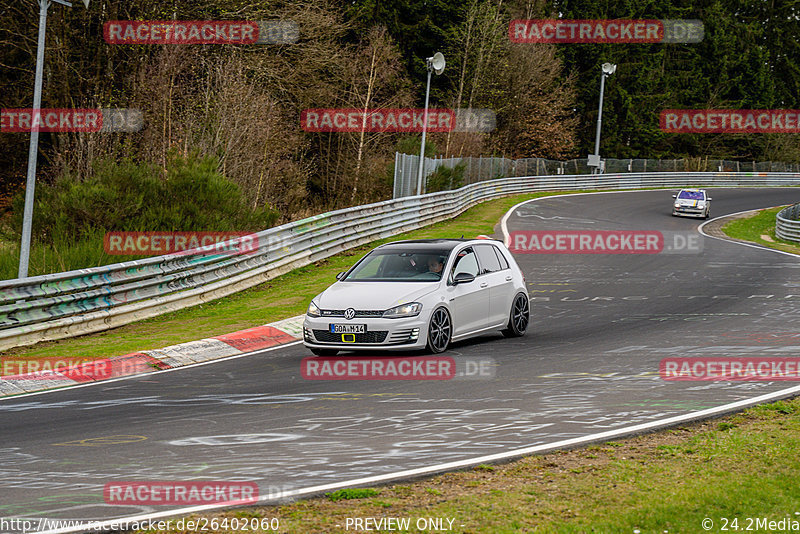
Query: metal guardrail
62	305
787	223
478	169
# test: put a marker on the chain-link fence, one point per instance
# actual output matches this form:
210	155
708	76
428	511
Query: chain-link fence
451	173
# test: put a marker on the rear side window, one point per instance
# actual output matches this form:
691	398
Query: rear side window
487	258
501	257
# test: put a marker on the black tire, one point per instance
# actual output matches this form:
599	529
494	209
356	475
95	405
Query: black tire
519	317
325	352
440	331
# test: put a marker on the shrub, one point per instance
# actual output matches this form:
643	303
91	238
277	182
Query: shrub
72	216
189	195
445	178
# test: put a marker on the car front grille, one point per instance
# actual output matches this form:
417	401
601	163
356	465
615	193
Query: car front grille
359	313
375	336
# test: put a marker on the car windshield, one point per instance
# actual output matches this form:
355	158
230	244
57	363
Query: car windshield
399	266
691	195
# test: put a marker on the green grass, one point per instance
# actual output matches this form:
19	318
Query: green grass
351	493
743	465
754	228
9	255
283	297
483	467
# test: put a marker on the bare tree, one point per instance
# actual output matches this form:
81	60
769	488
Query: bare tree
376	76
522	83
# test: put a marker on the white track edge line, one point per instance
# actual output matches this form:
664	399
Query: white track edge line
504	226
410	473
731	240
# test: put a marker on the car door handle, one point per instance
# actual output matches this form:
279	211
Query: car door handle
485	284
509	278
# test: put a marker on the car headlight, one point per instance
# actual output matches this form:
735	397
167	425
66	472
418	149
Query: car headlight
313	310
677	205
701	204
404	310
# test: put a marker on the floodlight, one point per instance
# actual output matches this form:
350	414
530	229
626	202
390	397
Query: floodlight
437	62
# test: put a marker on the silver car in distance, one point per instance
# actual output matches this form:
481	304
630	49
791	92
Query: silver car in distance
692	203
419	294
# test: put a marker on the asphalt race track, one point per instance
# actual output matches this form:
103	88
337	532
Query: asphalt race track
589	364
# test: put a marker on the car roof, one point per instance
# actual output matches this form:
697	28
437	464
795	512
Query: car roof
431	244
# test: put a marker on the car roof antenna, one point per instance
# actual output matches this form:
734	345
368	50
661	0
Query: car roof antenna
462	236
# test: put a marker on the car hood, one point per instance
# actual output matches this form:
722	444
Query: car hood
373	295
687	202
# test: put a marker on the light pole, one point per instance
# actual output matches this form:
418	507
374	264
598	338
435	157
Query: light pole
435	64
594	159
33	149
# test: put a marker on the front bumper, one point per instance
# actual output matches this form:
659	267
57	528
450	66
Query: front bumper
689	211
385	334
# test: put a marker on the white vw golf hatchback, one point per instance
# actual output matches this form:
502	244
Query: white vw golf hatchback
417	294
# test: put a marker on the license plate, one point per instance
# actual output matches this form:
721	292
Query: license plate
348	328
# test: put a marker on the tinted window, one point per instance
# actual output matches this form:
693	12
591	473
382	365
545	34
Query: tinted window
691	195
501	257
487	258
465	263
399	266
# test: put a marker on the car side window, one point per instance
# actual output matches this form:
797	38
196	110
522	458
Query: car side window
501	257
488	259
466	262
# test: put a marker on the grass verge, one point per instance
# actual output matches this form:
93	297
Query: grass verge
760	229
733	468
282	297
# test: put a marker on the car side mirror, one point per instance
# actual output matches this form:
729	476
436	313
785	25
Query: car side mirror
463	278
709	199
340	275
674	196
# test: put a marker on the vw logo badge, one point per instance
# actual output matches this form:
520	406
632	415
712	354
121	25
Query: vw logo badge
349	313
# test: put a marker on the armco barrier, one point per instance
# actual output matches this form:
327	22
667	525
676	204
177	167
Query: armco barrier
62	305
787	223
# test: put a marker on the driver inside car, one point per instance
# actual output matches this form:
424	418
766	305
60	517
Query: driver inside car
435	265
